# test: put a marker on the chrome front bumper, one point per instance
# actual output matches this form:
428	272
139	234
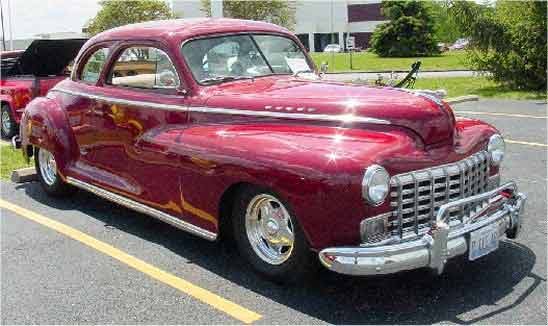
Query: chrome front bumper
434	248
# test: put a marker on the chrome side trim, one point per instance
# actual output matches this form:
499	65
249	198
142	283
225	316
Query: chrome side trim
121	101
343	118
136	206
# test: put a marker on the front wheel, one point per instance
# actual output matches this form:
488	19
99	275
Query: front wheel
8	124
269	236
50	180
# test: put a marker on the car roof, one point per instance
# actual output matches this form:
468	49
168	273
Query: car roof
180	29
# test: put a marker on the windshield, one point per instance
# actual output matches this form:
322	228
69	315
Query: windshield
227	58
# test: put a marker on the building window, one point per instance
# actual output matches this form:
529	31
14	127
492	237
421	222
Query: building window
365	12
321	40
361	39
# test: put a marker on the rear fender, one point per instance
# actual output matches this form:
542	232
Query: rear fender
46	125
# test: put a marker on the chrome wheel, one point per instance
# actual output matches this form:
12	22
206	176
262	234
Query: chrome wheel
48	166
269	229
6	122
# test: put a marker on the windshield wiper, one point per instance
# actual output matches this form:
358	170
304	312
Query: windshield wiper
222	79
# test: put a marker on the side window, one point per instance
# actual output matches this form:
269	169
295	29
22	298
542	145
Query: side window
93	67
144	67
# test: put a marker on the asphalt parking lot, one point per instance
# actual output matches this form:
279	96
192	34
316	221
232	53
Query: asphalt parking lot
52	274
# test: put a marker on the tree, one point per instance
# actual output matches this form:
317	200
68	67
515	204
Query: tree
446	27
409	33
279	12
118	13
508	40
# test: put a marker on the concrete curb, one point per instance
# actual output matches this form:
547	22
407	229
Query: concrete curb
462	99
398	71
24	175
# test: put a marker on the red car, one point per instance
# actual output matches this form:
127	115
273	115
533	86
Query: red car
30	73
225	130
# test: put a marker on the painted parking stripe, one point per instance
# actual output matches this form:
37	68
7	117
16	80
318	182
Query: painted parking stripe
509	141
498	114
230	308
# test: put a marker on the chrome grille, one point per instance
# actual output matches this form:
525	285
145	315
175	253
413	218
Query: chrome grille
416	196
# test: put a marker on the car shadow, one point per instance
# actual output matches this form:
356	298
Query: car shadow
414	297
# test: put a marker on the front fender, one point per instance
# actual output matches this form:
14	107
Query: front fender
318	170
46	125
314	168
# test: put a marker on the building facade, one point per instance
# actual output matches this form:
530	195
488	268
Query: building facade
318	22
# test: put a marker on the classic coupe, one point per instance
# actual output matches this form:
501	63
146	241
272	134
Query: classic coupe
31	73
226	129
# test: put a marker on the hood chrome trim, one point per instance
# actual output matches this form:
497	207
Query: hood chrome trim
343	118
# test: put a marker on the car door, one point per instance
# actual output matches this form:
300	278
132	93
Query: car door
142	115
81	109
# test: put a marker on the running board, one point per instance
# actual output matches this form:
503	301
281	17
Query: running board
136	206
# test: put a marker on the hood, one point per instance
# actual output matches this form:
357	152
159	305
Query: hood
359	105
43	57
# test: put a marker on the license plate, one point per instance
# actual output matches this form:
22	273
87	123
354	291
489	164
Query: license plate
483	241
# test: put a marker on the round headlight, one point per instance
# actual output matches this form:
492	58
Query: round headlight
496	148
375	184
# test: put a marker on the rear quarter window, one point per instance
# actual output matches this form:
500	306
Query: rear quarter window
92	69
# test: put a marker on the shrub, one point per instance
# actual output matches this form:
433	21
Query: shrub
508	40
409	33
117	13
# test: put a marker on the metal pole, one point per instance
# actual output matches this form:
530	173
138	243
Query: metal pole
216	8
3	31
11	29
351	68
332	39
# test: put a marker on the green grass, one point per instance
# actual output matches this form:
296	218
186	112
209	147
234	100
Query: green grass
367	61
10	159
481	86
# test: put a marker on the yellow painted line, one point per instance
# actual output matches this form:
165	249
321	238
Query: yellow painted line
525	143
230	308
512	115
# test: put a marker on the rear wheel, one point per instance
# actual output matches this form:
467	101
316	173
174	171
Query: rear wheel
269	236
8	124
50	180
